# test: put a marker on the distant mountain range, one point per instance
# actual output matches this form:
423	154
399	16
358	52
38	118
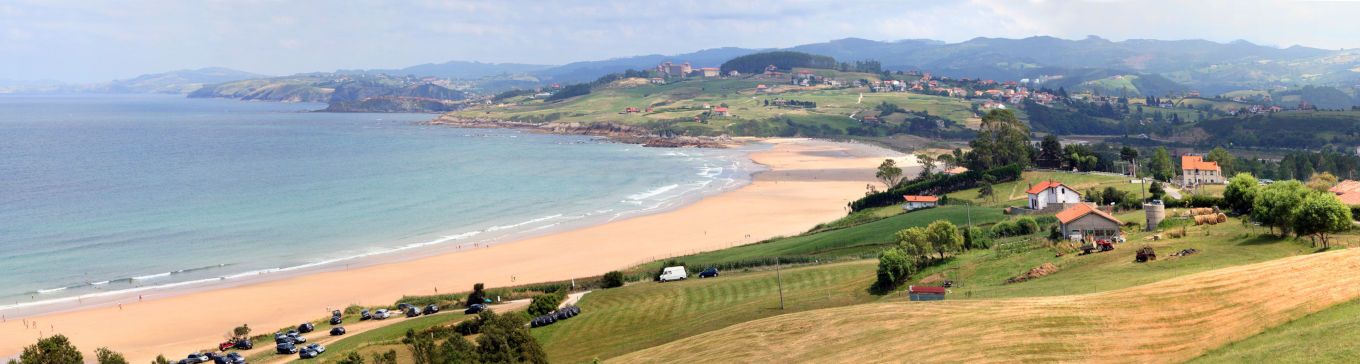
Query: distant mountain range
1132	67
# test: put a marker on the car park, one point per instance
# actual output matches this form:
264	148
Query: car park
286	348
196	358
709	273
311	351
337	331
412	311
474	309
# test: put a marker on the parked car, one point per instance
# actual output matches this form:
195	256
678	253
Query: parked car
337	331
286	348
709	273
280	338
431	309
312	351
412	311
233	358
306	327
197	358
474	309
673	274
296	337
243	344
403	306
336	320
381	314
365	315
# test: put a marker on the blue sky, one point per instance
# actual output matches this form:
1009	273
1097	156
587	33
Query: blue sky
90	41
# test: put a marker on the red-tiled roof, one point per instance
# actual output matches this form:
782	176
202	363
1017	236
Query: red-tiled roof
1076	212
926	289
956	170
911	198
720	109
1041	186
1194	162
1348	192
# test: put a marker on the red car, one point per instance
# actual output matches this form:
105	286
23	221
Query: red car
236	344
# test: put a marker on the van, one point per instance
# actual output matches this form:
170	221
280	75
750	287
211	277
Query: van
673	274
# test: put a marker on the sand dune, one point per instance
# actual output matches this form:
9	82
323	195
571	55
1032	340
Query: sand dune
809	182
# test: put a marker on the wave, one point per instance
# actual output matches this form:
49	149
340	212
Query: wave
150	276
512	226
652	193
52	290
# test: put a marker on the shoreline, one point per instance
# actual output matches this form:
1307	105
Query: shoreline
807	182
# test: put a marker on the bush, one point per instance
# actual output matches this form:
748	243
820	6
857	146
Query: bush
546	303
1026	225
1004	229
612	279
976	238
894	266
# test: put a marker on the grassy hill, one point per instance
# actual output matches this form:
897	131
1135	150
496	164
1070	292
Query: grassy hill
1324	336
1170	320
1013	193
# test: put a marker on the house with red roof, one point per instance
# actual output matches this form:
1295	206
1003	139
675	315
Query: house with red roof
1051	192
919	202
1348	192
1195	171
1085	222
926	293
720	111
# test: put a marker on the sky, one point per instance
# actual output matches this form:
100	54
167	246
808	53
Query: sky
93	41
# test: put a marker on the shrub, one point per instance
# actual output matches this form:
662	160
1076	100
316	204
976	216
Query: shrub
612	279
1004	229
976	238
1027	225
546	303
894	266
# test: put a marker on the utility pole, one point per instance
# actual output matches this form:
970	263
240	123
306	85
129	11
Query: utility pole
780	279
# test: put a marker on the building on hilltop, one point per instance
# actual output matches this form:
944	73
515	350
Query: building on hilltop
1195	171
919	202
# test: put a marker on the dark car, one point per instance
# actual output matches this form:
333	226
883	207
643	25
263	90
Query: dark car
403	306
286	348
306	327
336	320
280	338
431	309
337	331
412	311
296	337
709	273
474	309
365	315
234	358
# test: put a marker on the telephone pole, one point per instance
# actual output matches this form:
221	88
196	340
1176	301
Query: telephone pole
780	279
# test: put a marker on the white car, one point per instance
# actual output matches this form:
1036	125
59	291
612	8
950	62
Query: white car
381	314
673	274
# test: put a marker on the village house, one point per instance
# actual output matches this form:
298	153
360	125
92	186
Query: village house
720	111
1195	171
919	202
1085	222
709	71
1348	192
761	88
1047	193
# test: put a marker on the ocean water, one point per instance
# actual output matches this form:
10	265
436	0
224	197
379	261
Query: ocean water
124	193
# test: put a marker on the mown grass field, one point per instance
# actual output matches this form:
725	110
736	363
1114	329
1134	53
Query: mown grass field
861	240
642	315
1326	336
1013	193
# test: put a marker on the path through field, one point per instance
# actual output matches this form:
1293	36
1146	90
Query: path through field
1168	321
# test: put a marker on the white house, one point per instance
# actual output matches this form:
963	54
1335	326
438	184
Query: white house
1051	192
919	202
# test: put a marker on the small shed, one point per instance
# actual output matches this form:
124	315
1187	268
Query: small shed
926	293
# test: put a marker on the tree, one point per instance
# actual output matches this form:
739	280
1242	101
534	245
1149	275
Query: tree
1223	158
1321	214
976	238
506	339
545	303
53	349
390	357
1274	205
352	358
422	346
894	266
457	350
889	173
241	332
1241	192
1322	182
1050	152
160	359
927	164
478	294
612	279
1002	140
1156	191
985	191
914	242
1160	166
106	356
1128	154
944	237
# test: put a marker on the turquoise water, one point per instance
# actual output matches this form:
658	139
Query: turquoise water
103	194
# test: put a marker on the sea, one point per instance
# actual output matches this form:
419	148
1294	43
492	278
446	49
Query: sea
105	195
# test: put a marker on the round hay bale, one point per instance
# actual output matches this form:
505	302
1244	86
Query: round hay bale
1222	218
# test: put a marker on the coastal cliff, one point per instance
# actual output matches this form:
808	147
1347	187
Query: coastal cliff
618	132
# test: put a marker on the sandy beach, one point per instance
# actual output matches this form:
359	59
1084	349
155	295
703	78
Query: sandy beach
808	182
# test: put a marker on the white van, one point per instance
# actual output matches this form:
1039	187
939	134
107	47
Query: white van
673	274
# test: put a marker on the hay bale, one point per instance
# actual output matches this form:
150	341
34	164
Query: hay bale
1222	218
1033	273
1201	211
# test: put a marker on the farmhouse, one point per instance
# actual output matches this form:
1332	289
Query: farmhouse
1348	192
709	71
1194	171
919	202
1051	192
956	170
720	111
926	293
1084	222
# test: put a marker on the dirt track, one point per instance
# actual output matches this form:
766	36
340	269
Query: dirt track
1168	321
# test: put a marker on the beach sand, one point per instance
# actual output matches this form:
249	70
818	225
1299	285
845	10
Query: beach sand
808	182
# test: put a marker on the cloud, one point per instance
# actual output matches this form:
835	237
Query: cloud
94	41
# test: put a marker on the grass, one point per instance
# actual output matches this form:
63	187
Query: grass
1013	193
637	316
861	240
1322	337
